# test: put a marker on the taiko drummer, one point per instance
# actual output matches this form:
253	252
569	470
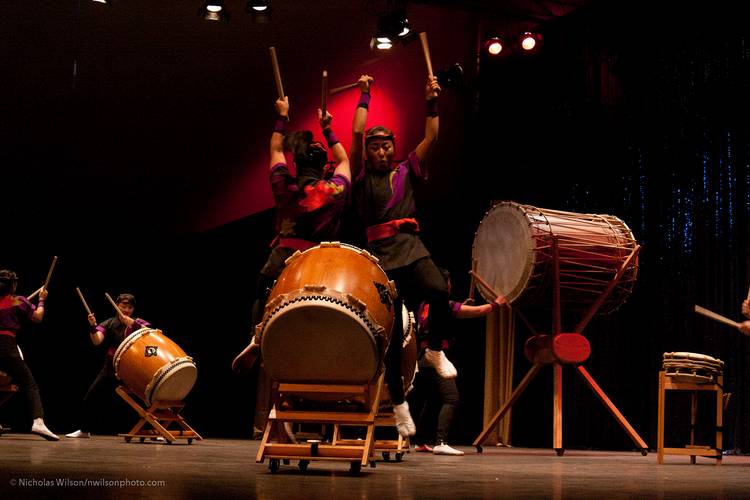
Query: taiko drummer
110	333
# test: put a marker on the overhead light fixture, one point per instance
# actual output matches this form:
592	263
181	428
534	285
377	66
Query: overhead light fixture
214	10
393	27
259	10
493	46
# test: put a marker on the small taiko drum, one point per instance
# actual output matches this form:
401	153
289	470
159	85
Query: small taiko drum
154	367
692	367
328	318
408	356
513	252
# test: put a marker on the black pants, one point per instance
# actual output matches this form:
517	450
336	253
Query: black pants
419	281
101	389
433	394
13	365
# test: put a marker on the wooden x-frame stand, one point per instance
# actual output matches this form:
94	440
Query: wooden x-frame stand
557	367
275	444
161	419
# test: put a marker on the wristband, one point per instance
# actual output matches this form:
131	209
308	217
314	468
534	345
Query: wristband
432	107
41	303
364	100
280	125
92	329
330	137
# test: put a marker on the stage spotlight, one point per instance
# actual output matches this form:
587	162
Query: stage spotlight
529	41
381	41
451	77
493	46
393	27
214	10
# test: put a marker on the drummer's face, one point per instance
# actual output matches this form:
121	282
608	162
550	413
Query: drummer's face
380	153
126	308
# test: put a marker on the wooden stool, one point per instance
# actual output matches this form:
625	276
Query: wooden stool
159	416
692	450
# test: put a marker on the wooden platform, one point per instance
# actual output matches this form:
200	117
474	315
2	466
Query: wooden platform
217	468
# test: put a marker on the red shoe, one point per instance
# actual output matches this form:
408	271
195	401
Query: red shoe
422	448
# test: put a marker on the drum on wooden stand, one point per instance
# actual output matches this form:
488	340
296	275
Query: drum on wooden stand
328	318
692	367
513	252
154	367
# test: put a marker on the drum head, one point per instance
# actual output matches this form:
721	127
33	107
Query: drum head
174	382
319	341
504	251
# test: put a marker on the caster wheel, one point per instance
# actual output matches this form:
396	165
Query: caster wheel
372	464
479	449
303	464
560	451
142	440
127	440
273	466
355	468
190	440
386	456
285	461
399	457
644	452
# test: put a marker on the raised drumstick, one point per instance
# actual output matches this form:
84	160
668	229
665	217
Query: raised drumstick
276	72
324	93
348	86
117	309
718	317
49	274
426	50
83	301
36	292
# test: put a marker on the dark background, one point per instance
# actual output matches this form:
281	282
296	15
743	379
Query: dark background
146	172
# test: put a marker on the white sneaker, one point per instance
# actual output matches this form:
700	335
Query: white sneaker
78	434
40	429
441	363
444	449
404	424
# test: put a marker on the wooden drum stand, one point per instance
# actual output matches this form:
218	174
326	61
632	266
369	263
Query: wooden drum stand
160	419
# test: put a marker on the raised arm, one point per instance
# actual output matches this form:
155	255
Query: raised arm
97	336
277	137
38	313
337	150
356	152
432	122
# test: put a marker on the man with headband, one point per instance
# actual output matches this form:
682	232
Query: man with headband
308	211
16	310
384	200
110	333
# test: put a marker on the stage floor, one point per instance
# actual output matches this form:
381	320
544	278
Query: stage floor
222	468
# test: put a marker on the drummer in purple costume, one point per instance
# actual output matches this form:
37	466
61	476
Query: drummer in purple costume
110	333
15	310
384	200
308	211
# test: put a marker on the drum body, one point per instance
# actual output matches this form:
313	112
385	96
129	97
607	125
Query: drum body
154	367
409	353
328	318
513	252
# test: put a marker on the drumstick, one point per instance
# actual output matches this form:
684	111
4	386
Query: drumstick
49	274
348	86
34	294
486	285
83	301
426	50
117	309
324	93
276	72
717	317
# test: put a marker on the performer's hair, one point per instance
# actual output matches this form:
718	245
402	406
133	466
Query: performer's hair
126	297
379	132
297	142
7	279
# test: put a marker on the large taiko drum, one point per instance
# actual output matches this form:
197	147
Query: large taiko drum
409	350
513	252
154	367
328	318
